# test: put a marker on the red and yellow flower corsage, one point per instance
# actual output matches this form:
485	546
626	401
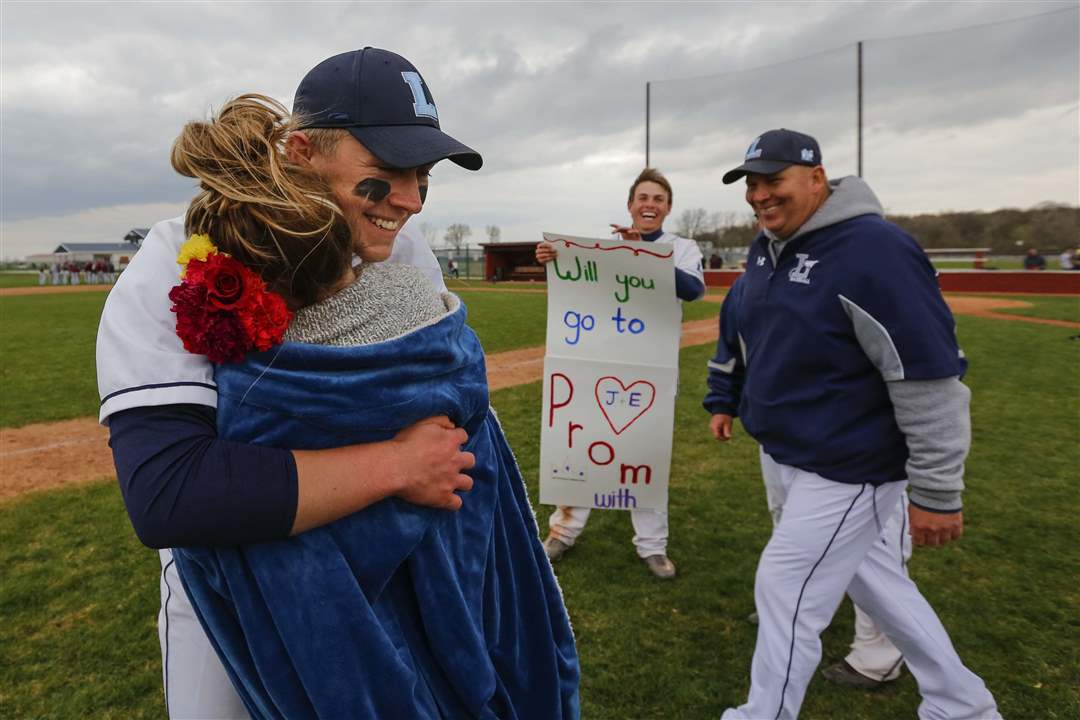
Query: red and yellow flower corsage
223	309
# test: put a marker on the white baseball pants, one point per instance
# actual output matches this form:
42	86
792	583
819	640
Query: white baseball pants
650	528
872	654
196	684
829	539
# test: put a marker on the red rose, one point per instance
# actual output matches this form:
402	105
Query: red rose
228	283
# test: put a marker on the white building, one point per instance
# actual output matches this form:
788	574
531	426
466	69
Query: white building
117	253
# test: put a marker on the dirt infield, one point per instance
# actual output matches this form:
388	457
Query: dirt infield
985	307
46	455
70	452
52	289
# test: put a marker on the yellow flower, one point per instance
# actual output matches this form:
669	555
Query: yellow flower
198	247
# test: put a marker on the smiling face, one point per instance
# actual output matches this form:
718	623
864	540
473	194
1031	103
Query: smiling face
649	205
785	200
376	199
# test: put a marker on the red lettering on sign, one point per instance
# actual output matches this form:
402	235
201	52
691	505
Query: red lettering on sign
551	397
611	453
570	439
632	471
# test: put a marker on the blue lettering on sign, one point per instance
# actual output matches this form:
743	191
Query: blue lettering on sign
617	499
577	323
634	325
421	106
612	394
635	399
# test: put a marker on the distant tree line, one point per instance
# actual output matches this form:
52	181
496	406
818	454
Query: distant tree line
456	235
1047	226
722	229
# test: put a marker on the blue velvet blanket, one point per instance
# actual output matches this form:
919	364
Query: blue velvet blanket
397	611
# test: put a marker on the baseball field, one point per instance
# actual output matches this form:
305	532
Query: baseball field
79	598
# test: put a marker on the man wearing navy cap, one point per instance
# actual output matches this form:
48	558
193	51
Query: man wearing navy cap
840	357
369	126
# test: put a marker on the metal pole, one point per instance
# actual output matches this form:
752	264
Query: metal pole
647	124
860	84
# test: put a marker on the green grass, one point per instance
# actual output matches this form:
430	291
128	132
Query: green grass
664	650
471	284
506	320
701	309
79	601
47	357
79	595
17	278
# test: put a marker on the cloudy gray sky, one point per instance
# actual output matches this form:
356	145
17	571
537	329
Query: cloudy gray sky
553	95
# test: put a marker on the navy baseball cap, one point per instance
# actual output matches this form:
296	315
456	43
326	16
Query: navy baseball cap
775	150
381	99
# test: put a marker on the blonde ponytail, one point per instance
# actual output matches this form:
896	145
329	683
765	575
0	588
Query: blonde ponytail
275	217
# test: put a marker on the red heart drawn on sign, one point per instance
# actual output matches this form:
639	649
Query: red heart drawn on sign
622	405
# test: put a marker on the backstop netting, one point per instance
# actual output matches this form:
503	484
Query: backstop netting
972	119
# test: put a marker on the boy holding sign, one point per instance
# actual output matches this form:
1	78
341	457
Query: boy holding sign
649	203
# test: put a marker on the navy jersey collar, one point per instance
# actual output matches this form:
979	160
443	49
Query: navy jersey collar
653	236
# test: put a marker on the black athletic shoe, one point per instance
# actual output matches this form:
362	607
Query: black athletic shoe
843	674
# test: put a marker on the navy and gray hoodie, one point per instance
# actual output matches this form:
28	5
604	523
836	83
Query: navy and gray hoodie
839	354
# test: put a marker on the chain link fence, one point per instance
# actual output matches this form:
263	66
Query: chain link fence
466	263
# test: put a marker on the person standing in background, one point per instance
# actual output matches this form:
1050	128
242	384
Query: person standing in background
649	203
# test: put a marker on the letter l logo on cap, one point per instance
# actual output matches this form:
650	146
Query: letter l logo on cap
753	152
421	106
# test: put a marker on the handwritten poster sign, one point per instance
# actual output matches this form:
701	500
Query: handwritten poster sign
610	374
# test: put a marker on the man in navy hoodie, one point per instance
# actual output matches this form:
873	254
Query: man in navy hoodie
840	357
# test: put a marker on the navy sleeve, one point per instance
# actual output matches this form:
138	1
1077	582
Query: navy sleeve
728	366
894	291
183	485
688	287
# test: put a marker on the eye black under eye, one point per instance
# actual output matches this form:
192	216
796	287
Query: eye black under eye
372	189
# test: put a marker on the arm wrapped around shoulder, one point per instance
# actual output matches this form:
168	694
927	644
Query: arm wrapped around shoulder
934	417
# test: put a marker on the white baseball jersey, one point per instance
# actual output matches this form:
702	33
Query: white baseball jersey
687	254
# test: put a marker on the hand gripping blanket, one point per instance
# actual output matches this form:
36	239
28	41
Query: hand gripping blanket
396	611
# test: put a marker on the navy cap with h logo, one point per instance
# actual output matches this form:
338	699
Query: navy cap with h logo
381	99
775	150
